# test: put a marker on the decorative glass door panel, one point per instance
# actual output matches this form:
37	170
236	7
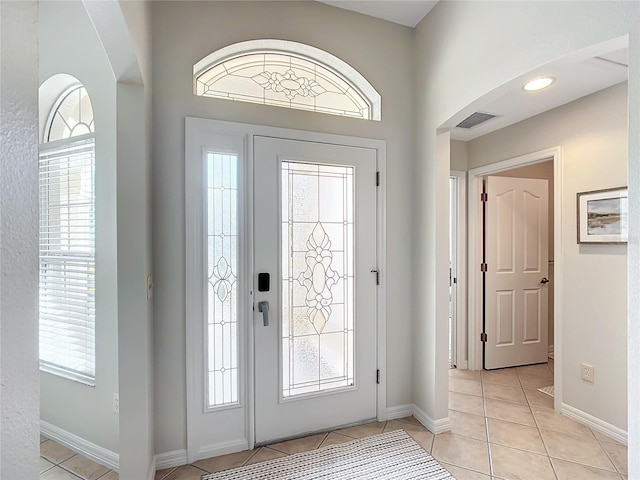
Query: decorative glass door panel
315	235
317	270
222	276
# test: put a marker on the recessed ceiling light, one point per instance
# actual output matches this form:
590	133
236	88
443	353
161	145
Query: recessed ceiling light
538	84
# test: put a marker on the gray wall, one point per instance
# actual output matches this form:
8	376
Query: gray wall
184	33
459	156
69	44
592	133
455	66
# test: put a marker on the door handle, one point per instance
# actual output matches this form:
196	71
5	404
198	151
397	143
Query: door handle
264	308
544	280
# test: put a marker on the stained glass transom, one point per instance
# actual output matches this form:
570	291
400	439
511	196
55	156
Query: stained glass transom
73	116
222	278
295	78
318	263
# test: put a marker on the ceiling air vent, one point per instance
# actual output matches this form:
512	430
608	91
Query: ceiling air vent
475	119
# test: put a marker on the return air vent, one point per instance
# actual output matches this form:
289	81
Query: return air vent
475	119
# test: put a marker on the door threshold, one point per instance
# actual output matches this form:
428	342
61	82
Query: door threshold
316	432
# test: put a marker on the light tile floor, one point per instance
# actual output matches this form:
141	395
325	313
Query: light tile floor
502	429
57	462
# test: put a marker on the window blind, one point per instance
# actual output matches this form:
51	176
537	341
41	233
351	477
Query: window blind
67	259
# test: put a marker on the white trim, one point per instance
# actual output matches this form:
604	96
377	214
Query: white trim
551	352
590	421
175	458
151	475
90	450
223	448
333	63
250	131
558	277
401	411
475	250
461	352
441	425
381	257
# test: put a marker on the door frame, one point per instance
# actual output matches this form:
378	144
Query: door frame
246	350
461	354
475	255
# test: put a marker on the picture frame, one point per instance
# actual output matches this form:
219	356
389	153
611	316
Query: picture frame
603	216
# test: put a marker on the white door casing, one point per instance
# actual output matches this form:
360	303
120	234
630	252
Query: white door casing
516	236
229	427
322	304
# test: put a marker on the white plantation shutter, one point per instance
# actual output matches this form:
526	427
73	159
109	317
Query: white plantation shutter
67	258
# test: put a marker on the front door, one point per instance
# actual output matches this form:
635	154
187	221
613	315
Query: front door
516	278
315	302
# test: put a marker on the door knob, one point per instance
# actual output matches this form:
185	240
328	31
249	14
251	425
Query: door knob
264	308
544	280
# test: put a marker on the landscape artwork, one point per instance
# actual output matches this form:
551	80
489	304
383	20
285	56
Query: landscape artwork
603	216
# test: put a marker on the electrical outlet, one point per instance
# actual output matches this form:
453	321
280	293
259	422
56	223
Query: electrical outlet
587	372
116	403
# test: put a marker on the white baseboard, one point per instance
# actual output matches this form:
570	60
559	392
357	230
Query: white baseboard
151	475
595	423
463	365
176	458
400	411
223	448
434	426
90	450
551	352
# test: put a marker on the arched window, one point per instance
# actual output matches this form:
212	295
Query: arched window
286	74
67	236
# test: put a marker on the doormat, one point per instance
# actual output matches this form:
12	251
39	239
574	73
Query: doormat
547	391
392	455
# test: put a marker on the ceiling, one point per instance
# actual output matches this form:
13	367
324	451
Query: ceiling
576	76
404	12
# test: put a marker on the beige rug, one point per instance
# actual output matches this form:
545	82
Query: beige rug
393	455
548	391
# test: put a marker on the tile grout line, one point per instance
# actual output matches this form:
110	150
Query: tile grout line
254	454
486	425
544	444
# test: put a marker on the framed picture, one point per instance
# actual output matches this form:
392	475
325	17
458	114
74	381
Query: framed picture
603	216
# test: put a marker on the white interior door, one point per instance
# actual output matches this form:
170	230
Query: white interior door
516	280
315	235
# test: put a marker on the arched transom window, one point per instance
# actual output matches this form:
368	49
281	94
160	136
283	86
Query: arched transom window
286	74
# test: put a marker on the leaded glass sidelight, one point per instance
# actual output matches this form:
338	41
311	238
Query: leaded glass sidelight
318	277
222	278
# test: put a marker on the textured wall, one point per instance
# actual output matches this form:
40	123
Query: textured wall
19	240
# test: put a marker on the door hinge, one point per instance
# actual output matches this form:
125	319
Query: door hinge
377	272
484	196
483	337
378	377
483	267
377	179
